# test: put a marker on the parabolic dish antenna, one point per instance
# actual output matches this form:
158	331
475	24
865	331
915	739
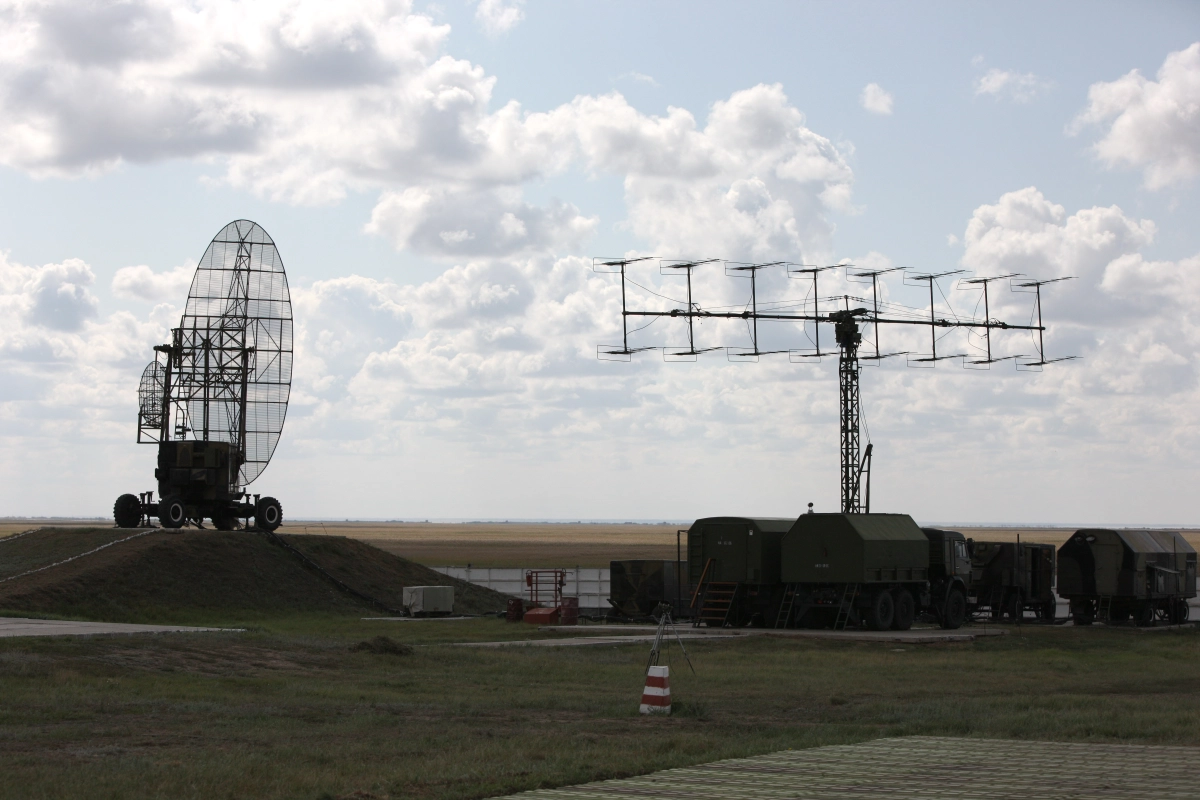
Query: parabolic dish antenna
215	398
235	340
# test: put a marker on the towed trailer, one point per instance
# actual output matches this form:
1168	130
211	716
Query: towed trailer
733	569
1116	576
1010	578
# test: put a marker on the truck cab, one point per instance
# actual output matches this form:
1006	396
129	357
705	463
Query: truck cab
949	575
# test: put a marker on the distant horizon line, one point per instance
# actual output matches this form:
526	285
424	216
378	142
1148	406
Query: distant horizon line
619	521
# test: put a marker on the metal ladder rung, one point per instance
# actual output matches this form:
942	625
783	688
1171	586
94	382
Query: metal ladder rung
844	608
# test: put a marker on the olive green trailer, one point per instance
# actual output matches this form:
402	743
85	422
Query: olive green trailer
1114	576
1009	577
844	569
733	568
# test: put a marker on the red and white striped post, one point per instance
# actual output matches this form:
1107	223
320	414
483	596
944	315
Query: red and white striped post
656	697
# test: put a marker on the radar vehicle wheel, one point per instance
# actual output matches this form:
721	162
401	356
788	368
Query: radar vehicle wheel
127	511
883	611
906	611
268	514
171	512
225	523
1049	610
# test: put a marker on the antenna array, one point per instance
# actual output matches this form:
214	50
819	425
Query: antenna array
847	325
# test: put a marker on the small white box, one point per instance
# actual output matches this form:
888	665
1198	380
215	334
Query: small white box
426	600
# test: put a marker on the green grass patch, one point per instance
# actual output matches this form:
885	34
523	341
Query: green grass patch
298	707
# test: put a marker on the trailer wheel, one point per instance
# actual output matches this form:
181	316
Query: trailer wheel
1179	611
1049	610
1145	615
883	610
955	612
127	511
171	512
1014	607
906	611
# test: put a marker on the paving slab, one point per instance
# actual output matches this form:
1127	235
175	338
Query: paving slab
580	641
920	768
19	626
914	636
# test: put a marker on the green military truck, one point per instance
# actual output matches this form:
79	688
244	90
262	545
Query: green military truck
1009	578
733	569
881	570
1115	576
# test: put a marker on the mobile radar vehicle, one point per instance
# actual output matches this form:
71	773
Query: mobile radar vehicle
215	396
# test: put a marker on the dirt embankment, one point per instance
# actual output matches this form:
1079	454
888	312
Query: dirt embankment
160	576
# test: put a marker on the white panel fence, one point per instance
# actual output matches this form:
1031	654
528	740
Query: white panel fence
590	585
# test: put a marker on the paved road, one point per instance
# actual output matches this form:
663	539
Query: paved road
582	641
17	626
914	636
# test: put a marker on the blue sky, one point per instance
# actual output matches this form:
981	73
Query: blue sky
443	368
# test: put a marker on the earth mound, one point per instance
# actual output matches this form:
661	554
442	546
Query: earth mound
124	575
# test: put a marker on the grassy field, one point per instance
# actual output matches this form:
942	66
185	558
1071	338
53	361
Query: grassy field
291	709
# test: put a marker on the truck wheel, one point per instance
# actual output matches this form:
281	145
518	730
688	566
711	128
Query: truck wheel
883	610
955	612
1144	615
127	511
171	512
268	514
906	610
1049	610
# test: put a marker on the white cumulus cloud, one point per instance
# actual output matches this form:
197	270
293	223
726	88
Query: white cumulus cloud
1150	124
1008	84
876	99
498	16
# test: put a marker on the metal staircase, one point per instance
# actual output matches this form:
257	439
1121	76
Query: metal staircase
719	600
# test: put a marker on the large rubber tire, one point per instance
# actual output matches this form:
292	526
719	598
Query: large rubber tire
1014	607
1048	611
225	523
906	611
883	610
171	512
1143	615
127	511
1179	611
955	612
268	514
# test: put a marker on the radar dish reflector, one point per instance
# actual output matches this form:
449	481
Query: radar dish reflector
150	395
233	372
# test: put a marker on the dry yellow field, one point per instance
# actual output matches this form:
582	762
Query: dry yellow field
569	544
519	544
